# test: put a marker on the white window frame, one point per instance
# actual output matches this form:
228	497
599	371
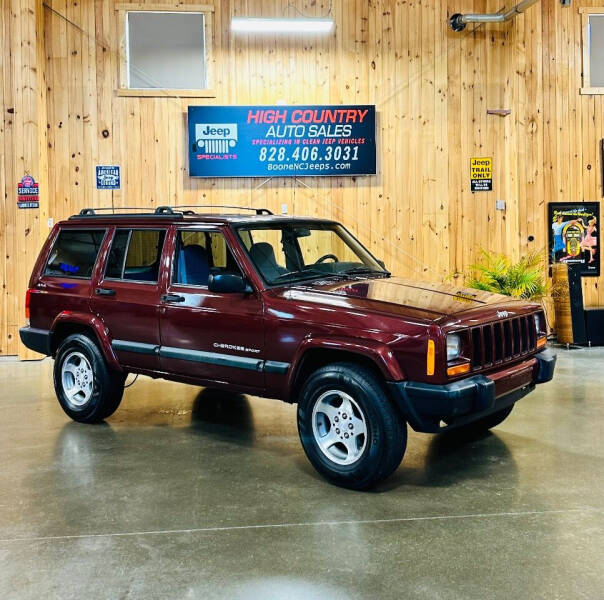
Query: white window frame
207	10
587	12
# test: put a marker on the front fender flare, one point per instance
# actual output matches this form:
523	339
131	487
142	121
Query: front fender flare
379	353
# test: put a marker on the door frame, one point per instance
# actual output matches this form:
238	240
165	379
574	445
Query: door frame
99	280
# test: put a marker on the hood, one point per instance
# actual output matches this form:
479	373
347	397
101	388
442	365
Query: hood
401	296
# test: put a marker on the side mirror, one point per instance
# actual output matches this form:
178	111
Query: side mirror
228	283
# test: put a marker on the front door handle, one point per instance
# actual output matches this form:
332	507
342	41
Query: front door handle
104	292
172	298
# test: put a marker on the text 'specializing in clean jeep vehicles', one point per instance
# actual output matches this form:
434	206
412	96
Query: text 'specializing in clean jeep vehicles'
290	308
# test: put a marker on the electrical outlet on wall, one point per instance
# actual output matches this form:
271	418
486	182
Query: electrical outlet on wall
500	204
284	209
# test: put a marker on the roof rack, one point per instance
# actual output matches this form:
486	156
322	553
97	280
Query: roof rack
166	210
160	210
133	211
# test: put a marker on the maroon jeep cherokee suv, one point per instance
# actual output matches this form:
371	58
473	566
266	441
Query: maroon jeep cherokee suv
289	308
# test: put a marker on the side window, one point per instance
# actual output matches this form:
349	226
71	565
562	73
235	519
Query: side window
222	259
74	253
135	255
115	262
199	253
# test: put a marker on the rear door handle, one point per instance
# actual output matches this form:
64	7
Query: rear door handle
104	292
172	298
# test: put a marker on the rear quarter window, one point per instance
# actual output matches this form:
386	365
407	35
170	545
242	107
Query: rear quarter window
74	253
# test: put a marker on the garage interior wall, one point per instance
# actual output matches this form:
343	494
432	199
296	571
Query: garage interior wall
61	116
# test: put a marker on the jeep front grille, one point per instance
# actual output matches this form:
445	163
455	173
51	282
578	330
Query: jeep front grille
503	341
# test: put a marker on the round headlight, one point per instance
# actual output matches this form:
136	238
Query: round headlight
453	346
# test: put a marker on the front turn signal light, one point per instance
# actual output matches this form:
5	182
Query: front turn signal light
541	342
430	358
458	369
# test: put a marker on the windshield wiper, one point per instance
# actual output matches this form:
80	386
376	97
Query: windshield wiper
300	272
365	271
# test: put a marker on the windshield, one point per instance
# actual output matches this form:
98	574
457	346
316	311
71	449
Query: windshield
290	252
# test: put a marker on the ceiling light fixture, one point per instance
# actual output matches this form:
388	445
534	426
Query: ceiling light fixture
258	25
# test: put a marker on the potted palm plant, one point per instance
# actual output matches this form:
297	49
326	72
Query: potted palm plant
498	273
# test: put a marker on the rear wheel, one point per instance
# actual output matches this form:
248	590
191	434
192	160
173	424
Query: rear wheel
87	390
349	429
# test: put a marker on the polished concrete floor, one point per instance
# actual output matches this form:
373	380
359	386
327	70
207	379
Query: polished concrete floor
186	493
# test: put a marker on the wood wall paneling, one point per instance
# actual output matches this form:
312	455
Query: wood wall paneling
23	150
432	87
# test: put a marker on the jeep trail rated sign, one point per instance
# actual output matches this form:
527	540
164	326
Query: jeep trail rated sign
281	141
481	174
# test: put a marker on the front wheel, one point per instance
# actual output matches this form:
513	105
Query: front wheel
88	391
349	429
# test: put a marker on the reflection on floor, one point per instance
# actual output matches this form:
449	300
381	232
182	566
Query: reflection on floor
200	494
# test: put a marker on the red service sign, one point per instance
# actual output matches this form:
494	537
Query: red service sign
28	195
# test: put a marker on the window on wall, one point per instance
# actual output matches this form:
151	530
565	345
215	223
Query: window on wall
593	50
165	53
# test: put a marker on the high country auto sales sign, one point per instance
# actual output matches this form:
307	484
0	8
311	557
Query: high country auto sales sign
281	141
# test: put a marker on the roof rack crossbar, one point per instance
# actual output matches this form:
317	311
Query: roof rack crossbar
258	211
160	210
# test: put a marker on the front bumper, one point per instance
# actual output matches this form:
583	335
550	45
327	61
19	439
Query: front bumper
425	405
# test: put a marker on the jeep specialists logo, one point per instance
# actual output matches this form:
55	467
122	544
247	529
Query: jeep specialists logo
502	314
216	138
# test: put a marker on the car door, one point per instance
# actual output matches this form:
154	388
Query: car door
127	295
206	335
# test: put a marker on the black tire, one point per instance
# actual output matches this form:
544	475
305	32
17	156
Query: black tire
384	443
107	385
486	423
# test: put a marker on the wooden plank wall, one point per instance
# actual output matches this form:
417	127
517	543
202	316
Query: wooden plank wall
432	88
23	150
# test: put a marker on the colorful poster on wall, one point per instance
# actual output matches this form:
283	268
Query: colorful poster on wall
28	193
281	141
574	235
481	174
107	177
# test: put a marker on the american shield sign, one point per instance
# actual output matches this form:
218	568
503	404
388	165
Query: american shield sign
281	141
